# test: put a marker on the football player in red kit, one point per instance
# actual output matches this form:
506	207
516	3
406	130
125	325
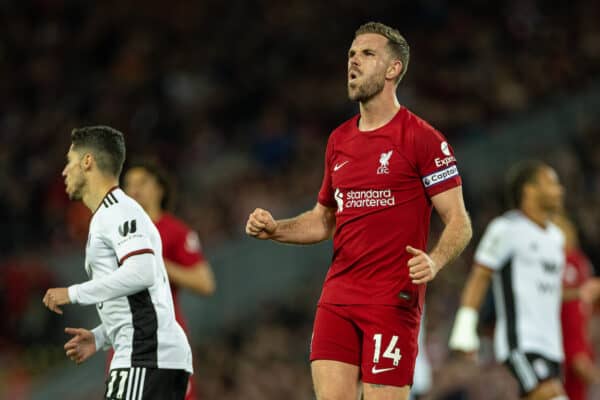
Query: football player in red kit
182	252
385	169
580	370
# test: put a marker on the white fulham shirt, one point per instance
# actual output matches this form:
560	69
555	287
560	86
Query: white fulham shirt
528	262
129	286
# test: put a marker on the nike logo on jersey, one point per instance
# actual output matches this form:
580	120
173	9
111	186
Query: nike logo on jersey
376	371
338	166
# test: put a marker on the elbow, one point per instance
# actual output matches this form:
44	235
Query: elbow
147	279
208	289
468	230
203	282
465	227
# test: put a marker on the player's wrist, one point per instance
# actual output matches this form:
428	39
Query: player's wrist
73	293
464	332
273	232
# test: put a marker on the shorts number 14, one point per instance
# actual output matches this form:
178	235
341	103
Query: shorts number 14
391	350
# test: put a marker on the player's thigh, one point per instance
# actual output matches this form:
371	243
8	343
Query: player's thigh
548	390
335	380
335	354
537	376
389	347
164	384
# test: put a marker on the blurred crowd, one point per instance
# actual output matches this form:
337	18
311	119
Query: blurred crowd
237	100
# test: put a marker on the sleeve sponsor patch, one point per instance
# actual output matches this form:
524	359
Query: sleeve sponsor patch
192	242
440	176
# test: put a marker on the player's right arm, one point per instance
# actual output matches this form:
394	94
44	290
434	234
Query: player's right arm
493	251
310	227
464	333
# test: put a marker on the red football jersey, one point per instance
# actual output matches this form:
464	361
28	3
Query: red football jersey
381	182
180	245
575	318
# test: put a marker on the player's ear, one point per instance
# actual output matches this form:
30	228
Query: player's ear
528	189
86	161
394	70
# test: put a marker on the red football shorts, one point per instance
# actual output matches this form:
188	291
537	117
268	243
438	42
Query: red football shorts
380	339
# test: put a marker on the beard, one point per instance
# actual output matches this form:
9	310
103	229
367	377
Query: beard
76	192
363	92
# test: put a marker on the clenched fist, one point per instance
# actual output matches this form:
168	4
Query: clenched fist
261	224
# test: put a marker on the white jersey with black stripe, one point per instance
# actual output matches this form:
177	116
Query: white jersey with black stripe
141	326
528	262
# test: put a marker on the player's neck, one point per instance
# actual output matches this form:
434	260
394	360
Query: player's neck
98	187
377	112
154	212
536	215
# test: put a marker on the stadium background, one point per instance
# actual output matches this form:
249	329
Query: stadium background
237	99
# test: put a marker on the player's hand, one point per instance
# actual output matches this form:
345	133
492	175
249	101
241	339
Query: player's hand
56	297
589	292
81	346
261	224
421	268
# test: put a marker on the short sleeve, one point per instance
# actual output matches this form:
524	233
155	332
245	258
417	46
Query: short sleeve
187	250
326	195
436	163
128	237
495	247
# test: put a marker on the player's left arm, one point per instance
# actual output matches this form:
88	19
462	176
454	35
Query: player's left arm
570	293
457	232
589	292
199	277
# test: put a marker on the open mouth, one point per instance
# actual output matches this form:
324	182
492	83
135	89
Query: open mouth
352	76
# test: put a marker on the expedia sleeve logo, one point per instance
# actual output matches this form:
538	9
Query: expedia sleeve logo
128	227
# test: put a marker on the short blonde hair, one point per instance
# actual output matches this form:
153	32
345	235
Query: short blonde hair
397	45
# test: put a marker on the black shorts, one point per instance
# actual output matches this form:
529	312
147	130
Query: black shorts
531	369
140	383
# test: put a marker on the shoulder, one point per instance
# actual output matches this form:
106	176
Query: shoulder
345	128
119	210
169	222
505	223
556	233
418	128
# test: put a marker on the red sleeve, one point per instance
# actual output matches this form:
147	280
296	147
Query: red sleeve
436	163
326	195
188	250
181	244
